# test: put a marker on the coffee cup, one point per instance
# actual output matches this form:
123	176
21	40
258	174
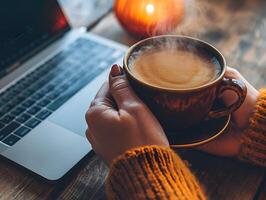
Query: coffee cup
180	79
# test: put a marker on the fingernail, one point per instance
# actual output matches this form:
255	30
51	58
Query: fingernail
116	70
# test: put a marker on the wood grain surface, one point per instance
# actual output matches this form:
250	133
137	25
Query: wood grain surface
224	178
238	29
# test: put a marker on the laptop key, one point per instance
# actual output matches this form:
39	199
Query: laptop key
37	96
60	90
17	111
64	97
42	92
22	131
48	88
15	102
28	103
33	123
8	129
23	118
21	98
11	140
2	125
53	95
34	110
7	119
32	90
8	95
27	93
43	114
57	80
2	113
44	102
1	103
5	98
6	109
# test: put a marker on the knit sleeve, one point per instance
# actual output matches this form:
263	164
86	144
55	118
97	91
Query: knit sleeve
151	173
253	148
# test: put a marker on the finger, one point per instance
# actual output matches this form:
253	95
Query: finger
100	105
103	98
120	88
241	116
89	136
229	96
103	91
232	73
235	74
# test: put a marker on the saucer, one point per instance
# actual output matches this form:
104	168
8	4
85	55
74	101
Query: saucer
199	134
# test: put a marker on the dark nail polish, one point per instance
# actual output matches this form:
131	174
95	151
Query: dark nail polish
116	70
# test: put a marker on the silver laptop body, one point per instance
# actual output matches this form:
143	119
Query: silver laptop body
58	142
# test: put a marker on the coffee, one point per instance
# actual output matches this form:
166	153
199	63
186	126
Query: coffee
174	68
178	67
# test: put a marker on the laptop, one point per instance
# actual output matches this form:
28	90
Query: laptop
49	74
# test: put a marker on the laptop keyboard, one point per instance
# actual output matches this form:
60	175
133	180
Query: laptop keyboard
32	99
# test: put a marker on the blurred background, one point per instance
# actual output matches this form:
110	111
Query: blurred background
237	28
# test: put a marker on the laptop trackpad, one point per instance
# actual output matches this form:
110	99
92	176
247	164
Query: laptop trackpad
72	114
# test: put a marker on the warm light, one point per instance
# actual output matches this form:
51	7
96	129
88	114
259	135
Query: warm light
145	18
150	8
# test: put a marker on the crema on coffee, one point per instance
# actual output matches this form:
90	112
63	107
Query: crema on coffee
173	68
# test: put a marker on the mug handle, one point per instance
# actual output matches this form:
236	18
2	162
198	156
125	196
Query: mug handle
239	87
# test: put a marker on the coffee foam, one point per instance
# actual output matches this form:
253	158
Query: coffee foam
176	77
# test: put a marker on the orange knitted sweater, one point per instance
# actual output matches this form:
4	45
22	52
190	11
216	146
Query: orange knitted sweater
158	173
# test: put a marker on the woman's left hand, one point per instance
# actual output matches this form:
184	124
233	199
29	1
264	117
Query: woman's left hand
229	144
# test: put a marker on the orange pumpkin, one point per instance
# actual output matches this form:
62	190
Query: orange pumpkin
149	17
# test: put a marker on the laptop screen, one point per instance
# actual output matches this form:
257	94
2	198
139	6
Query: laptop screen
26	25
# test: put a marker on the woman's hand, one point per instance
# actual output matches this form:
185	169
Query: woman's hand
119	121
229	144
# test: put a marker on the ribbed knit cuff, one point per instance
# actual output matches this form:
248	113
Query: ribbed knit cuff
151	173
253	148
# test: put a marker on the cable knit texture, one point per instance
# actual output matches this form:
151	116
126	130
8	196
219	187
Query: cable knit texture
158	173
151	173
253	147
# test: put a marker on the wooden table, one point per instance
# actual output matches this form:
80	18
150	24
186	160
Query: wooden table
238	29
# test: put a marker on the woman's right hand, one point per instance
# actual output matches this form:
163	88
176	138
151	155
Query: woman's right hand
229	144
119	121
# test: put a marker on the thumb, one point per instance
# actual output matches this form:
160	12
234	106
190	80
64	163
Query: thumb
120	88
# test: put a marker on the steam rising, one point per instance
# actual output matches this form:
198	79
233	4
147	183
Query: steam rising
194	14
243	45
